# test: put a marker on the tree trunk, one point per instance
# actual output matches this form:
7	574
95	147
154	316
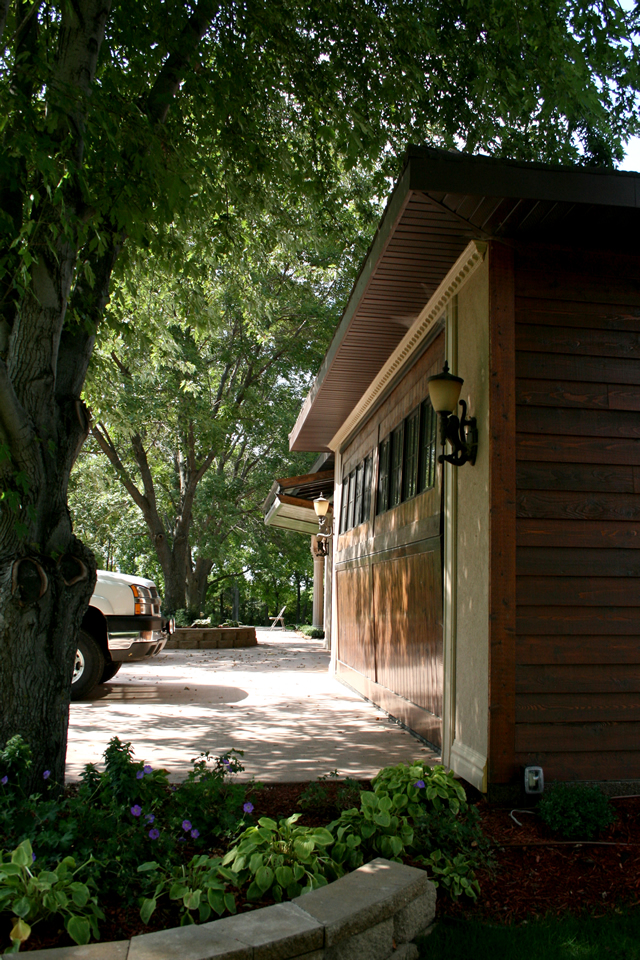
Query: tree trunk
198	584
236	601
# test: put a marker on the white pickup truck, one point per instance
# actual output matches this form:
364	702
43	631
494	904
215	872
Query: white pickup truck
123	624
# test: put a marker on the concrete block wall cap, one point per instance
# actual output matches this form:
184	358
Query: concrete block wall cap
117	950
352	904
203	942
275	933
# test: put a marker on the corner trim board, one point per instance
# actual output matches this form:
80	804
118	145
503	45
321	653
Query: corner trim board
469	764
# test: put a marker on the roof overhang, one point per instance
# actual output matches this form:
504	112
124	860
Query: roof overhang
443	201
289	503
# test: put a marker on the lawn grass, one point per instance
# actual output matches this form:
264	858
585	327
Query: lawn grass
571	938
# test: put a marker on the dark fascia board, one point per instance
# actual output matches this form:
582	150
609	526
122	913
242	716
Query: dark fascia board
434	170
384	232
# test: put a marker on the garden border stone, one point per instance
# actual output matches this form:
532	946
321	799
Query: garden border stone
372	913
211	638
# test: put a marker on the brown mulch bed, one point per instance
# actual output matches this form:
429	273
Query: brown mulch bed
535	872
532	872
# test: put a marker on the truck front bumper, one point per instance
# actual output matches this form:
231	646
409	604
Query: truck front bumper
136	638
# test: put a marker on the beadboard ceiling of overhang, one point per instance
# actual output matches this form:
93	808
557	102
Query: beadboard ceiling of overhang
426	242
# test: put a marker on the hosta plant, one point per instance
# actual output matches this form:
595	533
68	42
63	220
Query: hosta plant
198	887
30	894
281	859
379	828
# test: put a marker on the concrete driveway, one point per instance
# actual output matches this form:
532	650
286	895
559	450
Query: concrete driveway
276	701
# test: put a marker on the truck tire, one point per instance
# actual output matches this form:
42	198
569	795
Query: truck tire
109	672
88	667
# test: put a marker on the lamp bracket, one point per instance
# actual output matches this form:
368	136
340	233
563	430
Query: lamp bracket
462	434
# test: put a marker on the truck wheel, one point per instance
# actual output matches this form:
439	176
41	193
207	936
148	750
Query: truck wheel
88	667
109	672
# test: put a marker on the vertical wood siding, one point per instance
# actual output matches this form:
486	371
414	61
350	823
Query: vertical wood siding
388	581
578	514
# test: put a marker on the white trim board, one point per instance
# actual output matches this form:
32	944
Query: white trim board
469	764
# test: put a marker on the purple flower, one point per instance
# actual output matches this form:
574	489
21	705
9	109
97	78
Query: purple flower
154	834
46	774
136	810
186	825
195	833
147	768
248	807
4	781
419	784
226	761
149	817
33	858
139	775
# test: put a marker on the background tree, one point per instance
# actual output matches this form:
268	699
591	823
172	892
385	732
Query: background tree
115	120
198	377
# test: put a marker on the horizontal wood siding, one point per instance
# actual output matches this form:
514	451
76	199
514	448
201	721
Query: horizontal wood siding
578	514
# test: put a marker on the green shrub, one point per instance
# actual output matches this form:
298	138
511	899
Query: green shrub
314	633
447	838
576	811
281	859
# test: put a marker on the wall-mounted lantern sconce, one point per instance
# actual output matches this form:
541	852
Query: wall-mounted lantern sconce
321	506
462	433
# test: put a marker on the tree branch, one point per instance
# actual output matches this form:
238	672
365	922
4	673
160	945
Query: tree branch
101	435
179	61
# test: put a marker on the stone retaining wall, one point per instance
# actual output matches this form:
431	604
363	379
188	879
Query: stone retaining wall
211	638
371	914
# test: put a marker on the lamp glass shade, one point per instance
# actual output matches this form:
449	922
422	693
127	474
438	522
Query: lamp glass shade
444	391
321	506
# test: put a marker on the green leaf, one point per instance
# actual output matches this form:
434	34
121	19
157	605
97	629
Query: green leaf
270	824
147	908
216	901
230	902
192	899
254	892
22	856
79	929
79	894
178	890
284	876
147	867
303	848
264	878
21	907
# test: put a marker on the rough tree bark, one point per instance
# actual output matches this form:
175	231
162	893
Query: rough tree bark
46	574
